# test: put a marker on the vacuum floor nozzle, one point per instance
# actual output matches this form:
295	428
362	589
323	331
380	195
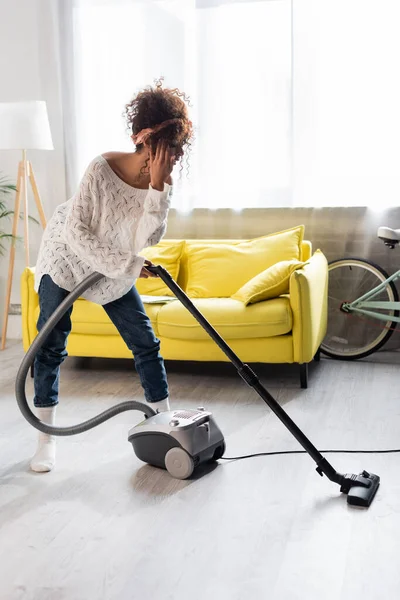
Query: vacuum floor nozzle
360	489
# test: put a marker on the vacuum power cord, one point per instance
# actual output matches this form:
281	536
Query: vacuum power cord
284	452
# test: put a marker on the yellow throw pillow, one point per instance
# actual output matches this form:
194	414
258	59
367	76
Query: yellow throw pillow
218	270
271	283
168	256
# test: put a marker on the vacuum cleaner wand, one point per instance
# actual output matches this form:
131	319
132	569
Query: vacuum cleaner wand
360	489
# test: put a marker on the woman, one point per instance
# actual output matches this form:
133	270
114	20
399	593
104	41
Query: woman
120	208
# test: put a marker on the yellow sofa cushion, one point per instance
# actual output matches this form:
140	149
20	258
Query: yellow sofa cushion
168	256
219	270
230	318
89	318
271	283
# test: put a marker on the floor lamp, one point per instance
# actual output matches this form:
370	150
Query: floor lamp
23	126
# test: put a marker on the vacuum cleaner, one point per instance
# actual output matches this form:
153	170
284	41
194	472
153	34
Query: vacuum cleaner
181	440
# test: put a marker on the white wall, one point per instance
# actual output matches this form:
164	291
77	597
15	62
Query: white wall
29	70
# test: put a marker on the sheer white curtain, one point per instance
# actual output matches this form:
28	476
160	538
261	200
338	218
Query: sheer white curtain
243	62
295	102
346	103
231	58
112	48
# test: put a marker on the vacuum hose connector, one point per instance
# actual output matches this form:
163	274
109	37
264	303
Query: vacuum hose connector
29	358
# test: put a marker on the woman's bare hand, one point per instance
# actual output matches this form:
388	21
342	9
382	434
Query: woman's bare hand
161	165
144	273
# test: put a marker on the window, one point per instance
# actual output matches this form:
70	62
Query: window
234	60
243	64
295	102
346	99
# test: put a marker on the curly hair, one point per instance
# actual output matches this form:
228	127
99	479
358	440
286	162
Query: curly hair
154	105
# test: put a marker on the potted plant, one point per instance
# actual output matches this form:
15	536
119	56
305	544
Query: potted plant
6	188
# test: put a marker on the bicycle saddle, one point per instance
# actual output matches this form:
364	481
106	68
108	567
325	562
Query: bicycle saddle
391	237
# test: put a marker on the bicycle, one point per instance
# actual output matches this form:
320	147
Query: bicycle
363	304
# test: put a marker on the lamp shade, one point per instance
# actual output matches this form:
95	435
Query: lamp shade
24	126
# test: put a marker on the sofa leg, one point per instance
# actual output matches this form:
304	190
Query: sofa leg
304	376
32	371
317	356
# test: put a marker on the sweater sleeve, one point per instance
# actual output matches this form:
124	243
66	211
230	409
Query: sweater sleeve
157	235
98	254
153	224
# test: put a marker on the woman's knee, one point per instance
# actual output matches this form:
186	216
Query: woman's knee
51	355
148	351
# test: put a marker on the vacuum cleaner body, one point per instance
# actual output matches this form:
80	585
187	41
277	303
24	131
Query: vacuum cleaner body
178	440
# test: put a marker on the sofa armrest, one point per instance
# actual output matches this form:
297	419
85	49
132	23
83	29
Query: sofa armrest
309	302
29	304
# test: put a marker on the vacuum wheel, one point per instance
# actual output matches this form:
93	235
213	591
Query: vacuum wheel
179	463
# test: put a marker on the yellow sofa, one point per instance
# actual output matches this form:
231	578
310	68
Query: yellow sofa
287	329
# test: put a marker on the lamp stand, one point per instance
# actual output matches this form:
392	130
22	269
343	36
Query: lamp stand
25	171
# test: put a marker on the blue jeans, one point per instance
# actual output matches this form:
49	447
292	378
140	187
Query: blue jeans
129	317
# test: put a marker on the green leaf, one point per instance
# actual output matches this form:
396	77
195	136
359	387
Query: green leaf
6	213
5	189
7	237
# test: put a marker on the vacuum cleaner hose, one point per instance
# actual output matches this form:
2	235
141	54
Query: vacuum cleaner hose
30	357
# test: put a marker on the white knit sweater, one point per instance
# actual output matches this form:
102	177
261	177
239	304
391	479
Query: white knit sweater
102	228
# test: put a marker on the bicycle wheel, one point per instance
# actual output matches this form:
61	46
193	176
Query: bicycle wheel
352	335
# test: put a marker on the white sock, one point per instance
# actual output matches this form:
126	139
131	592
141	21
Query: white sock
161	406
45	456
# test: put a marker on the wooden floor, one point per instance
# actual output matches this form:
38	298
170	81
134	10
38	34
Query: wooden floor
103	526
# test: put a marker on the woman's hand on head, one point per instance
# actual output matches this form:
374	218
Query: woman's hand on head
161	165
